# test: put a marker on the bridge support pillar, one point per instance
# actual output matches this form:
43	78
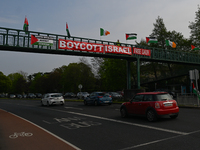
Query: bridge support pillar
128	75
138	73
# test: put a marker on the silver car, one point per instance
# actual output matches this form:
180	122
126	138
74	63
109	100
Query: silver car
82	95
53	99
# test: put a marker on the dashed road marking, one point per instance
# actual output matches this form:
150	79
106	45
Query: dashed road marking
128	123
74	108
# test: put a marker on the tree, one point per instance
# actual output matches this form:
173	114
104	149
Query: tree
113	74
36	84
5	83
96	63
18	83
195	29
160	32
78	73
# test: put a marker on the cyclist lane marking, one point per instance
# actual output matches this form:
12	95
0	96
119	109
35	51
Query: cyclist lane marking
19	133
119	121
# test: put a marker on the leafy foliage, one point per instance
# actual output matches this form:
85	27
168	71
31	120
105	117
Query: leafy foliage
195	29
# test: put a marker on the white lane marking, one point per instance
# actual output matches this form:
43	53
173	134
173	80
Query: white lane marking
129	123
157	141
46	122
74	108
139	125
152	142
46	131
134	124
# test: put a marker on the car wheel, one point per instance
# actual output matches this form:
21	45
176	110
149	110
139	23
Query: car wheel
95	103
85	103
123	112
48	103
62	103
151	115
174	116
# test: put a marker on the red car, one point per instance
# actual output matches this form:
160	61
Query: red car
150	104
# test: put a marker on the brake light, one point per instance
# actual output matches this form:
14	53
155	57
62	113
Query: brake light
100	96
157	105
176	103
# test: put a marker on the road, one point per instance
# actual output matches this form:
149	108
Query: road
101	127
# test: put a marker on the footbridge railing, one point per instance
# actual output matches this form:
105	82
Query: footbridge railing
18	40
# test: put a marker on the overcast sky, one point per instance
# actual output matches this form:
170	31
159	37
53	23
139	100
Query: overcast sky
85	18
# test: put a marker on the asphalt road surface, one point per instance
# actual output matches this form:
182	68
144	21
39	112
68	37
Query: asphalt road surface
93	128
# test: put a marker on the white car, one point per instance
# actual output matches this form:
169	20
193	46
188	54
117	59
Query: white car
53	99
82	95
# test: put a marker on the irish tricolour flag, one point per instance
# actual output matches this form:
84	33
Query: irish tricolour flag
151	40
169	43
104	32
131	36
195	48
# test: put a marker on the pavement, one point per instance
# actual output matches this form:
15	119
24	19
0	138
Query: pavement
17	133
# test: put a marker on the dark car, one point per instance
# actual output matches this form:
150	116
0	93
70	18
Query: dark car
152	105
2	95
31	95
38	95
18	96
69	95
98	98
115	95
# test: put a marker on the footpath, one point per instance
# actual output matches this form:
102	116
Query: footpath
18	134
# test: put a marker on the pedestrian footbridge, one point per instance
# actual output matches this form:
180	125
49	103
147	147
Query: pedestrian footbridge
48	43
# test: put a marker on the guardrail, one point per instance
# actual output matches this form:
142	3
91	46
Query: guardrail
187	99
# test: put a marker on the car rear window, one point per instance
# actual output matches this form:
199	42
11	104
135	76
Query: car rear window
101	94
56	95
162	97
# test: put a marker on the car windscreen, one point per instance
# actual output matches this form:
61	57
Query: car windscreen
163	97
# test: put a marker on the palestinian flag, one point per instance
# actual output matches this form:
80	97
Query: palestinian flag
195	91
104	32
151	40
169	43
195	48
131	36
33	40
41	40
67	29
25	28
